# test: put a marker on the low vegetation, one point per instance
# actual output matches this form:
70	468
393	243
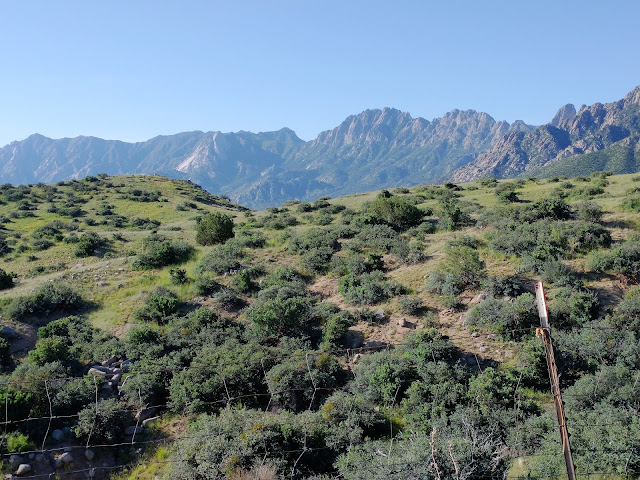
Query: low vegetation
387	335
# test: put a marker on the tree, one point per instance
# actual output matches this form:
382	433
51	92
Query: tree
214	228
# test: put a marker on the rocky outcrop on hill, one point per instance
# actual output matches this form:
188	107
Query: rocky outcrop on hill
597	128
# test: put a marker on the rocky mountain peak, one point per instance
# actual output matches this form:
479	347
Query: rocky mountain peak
566	112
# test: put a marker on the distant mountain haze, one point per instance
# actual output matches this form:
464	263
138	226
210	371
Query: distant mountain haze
372	150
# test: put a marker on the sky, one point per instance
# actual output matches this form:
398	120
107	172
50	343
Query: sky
131	70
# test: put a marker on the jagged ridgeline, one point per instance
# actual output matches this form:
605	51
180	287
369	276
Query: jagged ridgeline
374	149
151	330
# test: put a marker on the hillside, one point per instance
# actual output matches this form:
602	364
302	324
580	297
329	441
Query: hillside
373	336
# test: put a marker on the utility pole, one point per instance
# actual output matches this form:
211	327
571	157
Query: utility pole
545	332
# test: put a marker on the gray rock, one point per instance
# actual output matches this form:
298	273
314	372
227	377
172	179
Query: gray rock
66	457
133	429
145	413
32	456
402	322
23	468
57	463
89	454
100	368
66	430
40	458
8	333
67	449
97	373
15	460
110	361
57	435
483	349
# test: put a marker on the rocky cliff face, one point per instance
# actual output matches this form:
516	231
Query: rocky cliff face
596	128
375	149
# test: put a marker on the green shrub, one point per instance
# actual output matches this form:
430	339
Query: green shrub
461	268
396	212
205	284
368	288
624	259
49	298
222	259
505	317
18	442
87	244
105	423
159	251
161	304
214	228
6	279
410	305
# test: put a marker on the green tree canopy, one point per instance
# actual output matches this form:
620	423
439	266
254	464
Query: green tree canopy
214	228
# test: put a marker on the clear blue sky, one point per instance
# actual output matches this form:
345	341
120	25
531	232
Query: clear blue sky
131	70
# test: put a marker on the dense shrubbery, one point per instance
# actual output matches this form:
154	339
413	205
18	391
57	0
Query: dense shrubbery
505	317
49	298
368	288
214	228
160	251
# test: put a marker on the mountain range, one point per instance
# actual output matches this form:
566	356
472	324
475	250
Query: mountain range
372	150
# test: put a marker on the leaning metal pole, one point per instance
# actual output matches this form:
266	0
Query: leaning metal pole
545	332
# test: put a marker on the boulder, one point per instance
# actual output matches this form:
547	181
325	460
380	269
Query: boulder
40	458
15	460
145	413
8	333
97	373
57	463
89	454
66	457
57	435
402	322
110	361
23	468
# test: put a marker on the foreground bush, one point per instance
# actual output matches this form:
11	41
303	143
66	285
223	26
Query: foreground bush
214	228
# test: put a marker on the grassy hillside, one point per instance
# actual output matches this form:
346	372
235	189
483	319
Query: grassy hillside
382	335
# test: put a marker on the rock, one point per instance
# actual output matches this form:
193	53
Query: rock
96	372
57	463
475	334
102	284
66	457
23	468
145	413
91	473
109	361
8	333
492	336
15	460
67	449
57	435
116	378
402	322
89	454
133	429
147	421
356	358
508	354
32	456
40	458
483	349
126	364
66	430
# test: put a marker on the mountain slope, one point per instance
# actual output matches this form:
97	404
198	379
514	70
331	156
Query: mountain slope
587	140
377	148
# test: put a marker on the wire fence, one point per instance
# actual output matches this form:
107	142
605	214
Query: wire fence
268	399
